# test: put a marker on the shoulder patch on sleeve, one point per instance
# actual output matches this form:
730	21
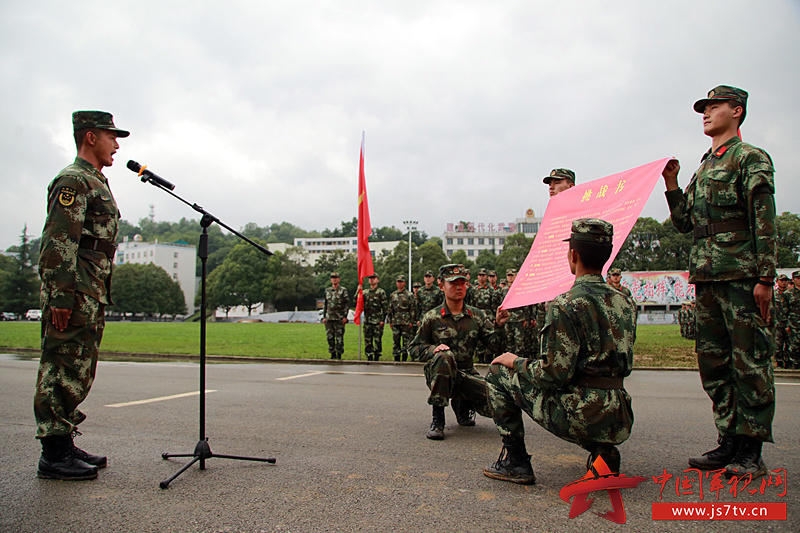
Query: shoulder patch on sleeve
66	196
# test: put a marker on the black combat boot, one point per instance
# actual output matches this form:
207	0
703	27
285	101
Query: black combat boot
58	461
100	461
465	414
719	457
514	464
609	453
747	460
436	432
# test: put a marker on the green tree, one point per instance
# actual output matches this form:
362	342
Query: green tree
19	284
294	285
486	259
146	289
515	250
788	226
249	277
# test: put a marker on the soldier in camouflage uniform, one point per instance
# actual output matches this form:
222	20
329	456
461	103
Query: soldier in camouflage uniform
614	279
682	319
429	295
484	298
729	206
518	330
575	390
376	306
793	321
334	315
782	322
402	318
447	340
691	321
75	261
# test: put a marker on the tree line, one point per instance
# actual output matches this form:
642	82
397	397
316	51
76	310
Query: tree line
240	275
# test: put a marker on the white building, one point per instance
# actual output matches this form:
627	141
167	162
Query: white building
473	237
178	259
315	247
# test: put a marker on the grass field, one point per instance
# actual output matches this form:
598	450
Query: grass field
655	345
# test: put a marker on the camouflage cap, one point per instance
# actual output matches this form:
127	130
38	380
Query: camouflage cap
591	230
416	285
82	120
511	271
724	92
796	274
560	174
334	274
428	273
492	273
401	278
373	276
615	272
452	272
483	272
783	277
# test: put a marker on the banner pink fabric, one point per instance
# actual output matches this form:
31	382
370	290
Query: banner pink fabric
618	198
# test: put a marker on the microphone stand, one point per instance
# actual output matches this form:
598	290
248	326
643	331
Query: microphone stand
202	450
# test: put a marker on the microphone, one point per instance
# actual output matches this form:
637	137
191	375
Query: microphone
146	175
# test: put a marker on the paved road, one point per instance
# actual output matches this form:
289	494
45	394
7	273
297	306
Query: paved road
351	455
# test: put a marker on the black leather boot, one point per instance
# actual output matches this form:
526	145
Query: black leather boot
465	415
513	464
100	461
436	432
719	457
58	461
747	460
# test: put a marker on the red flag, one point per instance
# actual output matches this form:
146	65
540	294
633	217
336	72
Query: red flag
364	257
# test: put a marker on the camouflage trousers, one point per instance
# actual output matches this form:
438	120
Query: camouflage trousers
517	339
446	381
793	346
334	331
734	352
782	348
373	341
580	415
67	366
402	335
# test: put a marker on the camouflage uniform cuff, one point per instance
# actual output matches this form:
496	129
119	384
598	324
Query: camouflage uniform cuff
520	364
674	197
62	300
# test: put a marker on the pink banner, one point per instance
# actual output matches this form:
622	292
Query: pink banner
618	198
672	287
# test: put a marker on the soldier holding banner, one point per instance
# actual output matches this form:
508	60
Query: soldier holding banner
729	206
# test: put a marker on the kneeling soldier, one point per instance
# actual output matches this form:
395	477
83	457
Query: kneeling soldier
575	389
447	340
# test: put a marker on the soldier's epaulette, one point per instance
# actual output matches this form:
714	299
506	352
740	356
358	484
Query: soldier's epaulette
721	151
443	311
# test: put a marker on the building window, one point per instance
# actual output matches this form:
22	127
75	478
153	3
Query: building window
470	252
460	240
175	277
491	241
449	253
449	240
174	265
501	240
175	254
470	241
480	240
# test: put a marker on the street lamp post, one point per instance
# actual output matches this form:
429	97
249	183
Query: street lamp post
411	225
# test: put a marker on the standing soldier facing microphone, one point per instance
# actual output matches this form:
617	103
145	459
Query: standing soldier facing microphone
75	262
729	206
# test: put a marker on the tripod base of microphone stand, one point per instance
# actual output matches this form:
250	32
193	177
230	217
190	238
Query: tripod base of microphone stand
202	451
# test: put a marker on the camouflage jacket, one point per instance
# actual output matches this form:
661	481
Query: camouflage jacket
517	314
733	187
376	305
589	331
793	310
79	204
781	307
337	303
402	308
461	333
484	298
624	290
427	299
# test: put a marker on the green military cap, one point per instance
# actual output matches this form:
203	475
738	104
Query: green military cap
724	92
591	230
334	274
401	278
615	272
796	274
82	120
428	273
373	276
452	272
416	285
783	277
560	174
511	271
492	273
482	272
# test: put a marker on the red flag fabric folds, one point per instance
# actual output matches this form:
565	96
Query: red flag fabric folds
364	257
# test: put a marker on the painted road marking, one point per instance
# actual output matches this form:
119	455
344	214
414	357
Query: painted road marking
317	373
159	399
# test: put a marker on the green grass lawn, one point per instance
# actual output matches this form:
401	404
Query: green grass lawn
655	345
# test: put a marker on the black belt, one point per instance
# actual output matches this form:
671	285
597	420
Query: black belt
701	232
599	382
90	243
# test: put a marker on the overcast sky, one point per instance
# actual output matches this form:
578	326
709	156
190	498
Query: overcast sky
255	109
